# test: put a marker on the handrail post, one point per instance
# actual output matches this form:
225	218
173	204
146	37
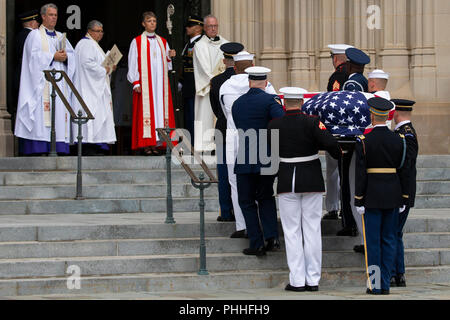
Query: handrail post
202	186
80	121
53	153
169	219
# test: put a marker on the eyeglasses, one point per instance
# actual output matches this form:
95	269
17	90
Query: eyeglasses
98	31
215	26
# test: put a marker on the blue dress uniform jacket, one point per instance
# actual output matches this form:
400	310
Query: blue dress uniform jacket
382	173
357	82
303	136
254	110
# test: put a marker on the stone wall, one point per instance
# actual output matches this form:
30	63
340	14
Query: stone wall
412	44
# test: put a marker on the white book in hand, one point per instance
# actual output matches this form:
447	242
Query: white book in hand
113	57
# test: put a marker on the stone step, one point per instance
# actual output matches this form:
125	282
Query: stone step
133	191
108	266
59	178
147	205
142	163
176	282
146	247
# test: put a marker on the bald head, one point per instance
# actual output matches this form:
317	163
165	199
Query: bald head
376	85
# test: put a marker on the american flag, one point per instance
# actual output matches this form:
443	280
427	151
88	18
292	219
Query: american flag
344	113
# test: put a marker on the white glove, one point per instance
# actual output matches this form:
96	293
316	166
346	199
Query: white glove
361	210
180	86
402	209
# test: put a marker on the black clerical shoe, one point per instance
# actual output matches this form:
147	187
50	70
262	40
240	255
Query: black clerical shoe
332	215
240	235
312	288
261	252
373	292
360	249
401	281
222	219
295	289
273	245
348	232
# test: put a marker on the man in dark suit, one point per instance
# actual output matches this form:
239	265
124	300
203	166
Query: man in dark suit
252	114
402	118
29	23
226	203
382	187
194	30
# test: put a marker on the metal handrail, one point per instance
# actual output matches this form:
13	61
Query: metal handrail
199	182
54	76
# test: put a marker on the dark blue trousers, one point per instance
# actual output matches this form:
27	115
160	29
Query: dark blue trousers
257	201
226	203
189	117
381	238
400	267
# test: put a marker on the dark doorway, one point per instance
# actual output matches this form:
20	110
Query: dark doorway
122	22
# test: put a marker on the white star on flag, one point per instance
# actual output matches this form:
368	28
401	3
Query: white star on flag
356	110
363	119
331	116
342	111
350	119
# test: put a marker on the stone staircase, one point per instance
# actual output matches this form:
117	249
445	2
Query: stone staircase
118	240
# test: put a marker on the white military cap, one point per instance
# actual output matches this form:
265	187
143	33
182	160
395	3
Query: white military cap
244	56
293	93
339	48
257	73
378	74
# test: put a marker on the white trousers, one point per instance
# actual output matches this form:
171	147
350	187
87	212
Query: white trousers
301	216
356	215
332	198
240	220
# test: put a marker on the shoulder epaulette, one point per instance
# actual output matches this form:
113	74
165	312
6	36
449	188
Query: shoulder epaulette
402	136
362	137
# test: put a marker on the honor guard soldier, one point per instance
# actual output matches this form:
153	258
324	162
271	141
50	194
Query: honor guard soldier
252	114
336	83
30	22
381	189
357	60
194	30
301	187
226	203
402	118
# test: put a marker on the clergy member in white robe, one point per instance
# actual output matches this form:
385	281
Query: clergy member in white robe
44	50
149	62
93	82
231	90
208	63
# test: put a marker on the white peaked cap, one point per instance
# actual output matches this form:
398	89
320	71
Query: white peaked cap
258	73
244	56
339	48
293	93
378	74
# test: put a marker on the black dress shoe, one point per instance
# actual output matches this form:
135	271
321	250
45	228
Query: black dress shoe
385	292
239	235
295	289
348	232
360	249
222	219
372	292
401	281
312	289
393	282
273	245
261	252
332	215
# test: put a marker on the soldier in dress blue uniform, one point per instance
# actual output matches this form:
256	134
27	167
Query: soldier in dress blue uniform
252	113
30	21
226	203
357	60
336	83
301	187
194	29
404	126
382	187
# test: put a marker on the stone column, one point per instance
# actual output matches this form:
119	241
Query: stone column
274	34
423	60
6	137
395	55
327	25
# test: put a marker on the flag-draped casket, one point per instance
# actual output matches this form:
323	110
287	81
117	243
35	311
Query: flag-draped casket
344	113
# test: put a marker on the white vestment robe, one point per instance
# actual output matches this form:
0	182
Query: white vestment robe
93	84
33	122
208	63
157	76
231	90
